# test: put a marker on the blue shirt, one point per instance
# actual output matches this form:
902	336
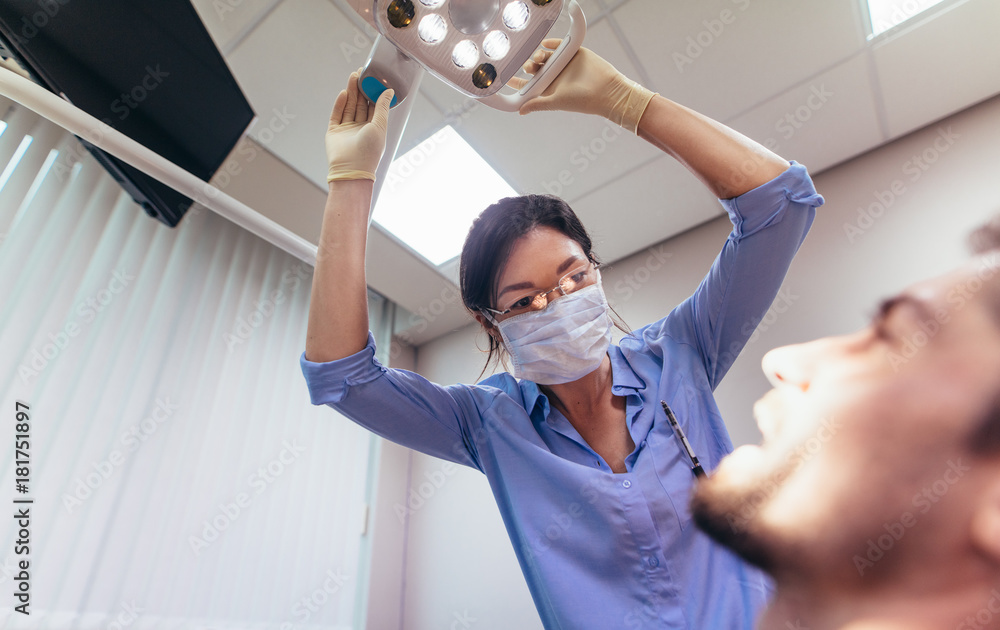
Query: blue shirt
598	549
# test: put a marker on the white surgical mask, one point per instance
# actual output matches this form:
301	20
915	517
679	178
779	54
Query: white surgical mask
563	342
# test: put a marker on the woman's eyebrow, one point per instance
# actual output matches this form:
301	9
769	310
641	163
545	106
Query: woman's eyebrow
527	285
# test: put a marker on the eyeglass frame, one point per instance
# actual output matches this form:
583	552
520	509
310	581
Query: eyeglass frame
558	287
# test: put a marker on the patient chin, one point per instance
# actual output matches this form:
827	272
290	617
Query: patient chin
725	517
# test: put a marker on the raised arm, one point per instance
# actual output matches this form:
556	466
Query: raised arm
770	201
339	357
338	307
728	162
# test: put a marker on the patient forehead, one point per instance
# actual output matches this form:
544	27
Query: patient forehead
975	283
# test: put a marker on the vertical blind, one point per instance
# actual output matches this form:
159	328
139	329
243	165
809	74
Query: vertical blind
180	477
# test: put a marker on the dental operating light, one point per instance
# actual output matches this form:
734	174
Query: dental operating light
475	46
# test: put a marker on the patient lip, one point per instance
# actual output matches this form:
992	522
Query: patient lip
766	422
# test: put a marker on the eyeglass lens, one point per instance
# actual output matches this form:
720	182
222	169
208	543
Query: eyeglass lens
576	279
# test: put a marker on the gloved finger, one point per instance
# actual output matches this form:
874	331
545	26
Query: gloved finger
541	56
380	117
535	63
551	42
361	114
537	104
339	105
352	98
517	82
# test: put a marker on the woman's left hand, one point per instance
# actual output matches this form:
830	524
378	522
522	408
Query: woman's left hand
588	85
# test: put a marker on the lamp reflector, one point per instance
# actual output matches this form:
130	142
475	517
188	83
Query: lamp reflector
484	76
400	13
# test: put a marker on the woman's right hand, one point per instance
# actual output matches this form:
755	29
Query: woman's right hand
355	139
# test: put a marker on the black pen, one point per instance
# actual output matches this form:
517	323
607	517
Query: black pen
695	465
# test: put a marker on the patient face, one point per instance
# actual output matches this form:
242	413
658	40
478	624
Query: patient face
868	437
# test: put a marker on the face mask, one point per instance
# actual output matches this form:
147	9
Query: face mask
563	342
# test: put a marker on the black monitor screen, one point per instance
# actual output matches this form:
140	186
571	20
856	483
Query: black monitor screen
148	68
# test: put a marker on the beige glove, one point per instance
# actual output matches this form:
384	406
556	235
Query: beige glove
589	85
355	139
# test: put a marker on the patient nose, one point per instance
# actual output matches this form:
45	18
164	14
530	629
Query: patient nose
791	365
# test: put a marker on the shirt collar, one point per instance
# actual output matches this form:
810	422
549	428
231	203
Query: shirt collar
623	378
622	374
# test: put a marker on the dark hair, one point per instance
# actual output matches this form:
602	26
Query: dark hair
491	239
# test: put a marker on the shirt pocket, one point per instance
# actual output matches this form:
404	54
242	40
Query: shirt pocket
669	459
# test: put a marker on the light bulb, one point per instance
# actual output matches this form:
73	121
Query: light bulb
432	4
465	54
432	28
496	45
515	15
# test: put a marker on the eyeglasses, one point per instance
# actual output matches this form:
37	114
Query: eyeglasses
579	278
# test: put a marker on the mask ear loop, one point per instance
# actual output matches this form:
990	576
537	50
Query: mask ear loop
496	327
489	318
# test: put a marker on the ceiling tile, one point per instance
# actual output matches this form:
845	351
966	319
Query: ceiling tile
939	66
291	67
649	205
821	122
591	9
721	57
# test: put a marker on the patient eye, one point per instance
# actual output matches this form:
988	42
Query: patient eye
880	318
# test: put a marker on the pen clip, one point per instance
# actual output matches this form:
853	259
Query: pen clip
679	433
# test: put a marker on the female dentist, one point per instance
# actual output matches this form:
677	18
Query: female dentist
591	481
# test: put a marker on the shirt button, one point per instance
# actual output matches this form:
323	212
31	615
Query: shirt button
626	484
653	562
643	445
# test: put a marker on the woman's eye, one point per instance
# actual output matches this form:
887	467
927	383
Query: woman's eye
524	302
578	277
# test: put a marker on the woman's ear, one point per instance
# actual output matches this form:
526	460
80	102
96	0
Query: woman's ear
488	326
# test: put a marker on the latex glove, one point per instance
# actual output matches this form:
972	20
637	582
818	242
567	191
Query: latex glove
589	85
355	139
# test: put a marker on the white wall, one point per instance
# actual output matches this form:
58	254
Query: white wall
460	570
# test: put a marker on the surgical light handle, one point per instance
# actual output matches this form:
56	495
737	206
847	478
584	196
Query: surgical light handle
548	73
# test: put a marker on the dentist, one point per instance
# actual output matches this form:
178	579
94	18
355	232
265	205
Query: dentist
591	481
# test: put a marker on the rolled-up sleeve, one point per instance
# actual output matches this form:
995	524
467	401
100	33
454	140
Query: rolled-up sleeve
769	224
328	382
399	405
770	203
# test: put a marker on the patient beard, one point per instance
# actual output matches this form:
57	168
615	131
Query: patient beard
729	515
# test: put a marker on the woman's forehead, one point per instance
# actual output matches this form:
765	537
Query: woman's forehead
536	251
